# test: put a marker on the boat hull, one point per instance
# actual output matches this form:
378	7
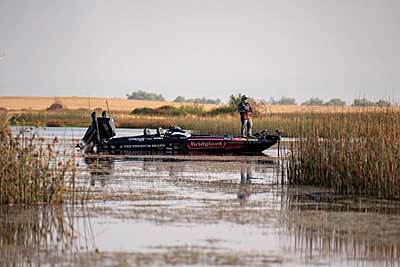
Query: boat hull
194	144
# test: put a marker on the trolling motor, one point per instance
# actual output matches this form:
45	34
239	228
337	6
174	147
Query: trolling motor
264	134
99	132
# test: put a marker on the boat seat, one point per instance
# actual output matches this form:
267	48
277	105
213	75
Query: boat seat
146	132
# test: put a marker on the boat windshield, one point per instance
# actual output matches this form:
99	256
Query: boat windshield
174	130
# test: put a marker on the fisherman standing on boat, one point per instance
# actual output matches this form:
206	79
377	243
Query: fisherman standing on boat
246	112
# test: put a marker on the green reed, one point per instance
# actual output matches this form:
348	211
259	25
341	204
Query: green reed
32	169
350	153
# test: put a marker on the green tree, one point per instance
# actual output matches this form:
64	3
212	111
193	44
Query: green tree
383	103
362	102
211	101
284	100
142	95
335	102
313	102
202	100
234	100
180	99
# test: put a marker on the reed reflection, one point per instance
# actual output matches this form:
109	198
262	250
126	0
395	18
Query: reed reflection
358	232
35	235
315	226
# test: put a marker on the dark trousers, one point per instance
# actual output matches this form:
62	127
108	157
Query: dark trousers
246	124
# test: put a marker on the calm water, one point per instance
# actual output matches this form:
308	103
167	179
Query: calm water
146	210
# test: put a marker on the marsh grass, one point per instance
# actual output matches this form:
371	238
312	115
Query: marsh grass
32	169
350	153
189	117
168	110
216	124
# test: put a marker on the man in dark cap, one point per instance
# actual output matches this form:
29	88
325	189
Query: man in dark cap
246	112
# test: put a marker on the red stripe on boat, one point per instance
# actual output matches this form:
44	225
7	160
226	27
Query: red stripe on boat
205	139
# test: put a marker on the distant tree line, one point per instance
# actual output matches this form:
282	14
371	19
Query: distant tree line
234	100
358	102
142	95
319	102
284	100
363	102
202	100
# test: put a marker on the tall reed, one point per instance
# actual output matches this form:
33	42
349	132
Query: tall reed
350	153
32	170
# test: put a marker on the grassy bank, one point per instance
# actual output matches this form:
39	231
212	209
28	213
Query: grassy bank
351	153
213	124
217	124
31	169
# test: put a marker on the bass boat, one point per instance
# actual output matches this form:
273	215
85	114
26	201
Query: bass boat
101	137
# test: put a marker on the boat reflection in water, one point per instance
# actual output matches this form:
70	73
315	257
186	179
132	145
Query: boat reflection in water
246	174
103	167
100	168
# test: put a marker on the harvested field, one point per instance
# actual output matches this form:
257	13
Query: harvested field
74	103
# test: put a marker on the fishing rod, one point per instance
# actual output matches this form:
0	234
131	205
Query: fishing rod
108	109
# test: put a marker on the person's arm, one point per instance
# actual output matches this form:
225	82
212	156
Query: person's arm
250	108
241	108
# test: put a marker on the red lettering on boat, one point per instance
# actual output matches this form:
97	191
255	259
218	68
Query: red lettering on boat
206	144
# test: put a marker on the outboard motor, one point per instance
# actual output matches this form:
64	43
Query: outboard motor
100	131
106	128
